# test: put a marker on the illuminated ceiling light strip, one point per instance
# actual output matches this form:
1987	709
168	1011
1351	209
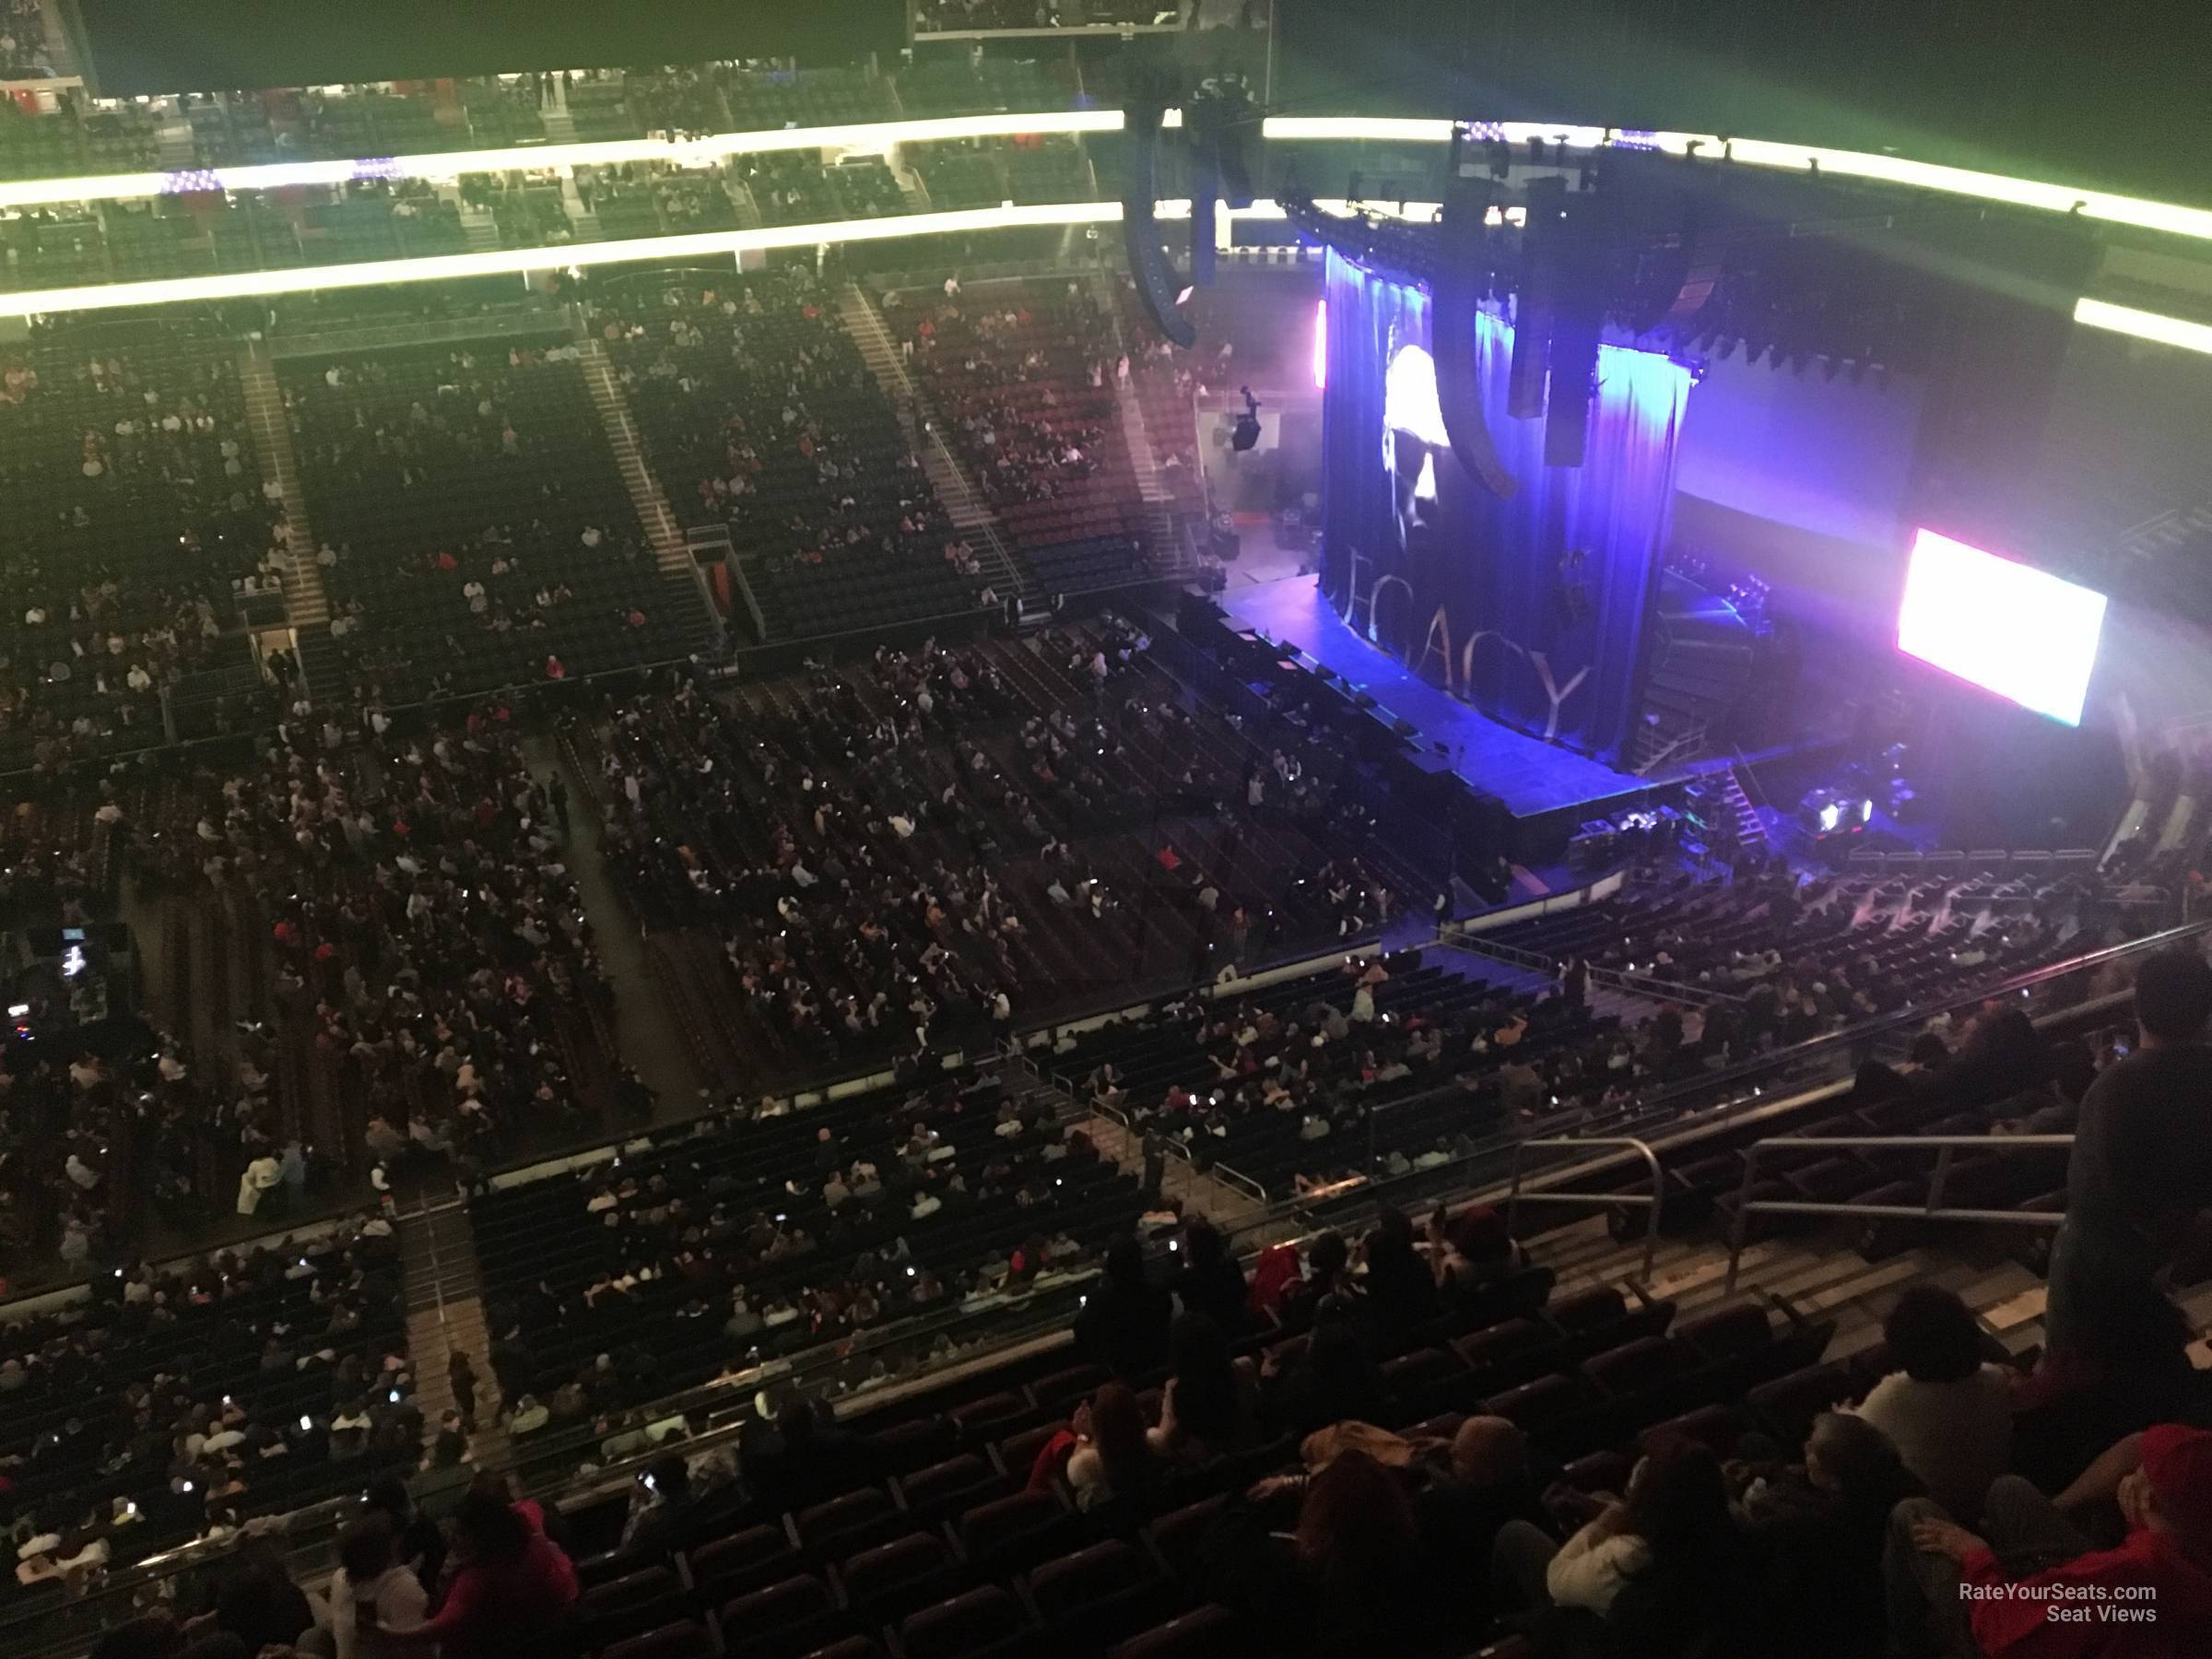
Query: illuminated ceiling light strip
449	164
2165	217
2143	325
511	262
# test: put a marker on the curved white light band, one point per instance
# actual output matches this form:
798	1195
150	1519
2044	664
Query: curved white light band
2168	217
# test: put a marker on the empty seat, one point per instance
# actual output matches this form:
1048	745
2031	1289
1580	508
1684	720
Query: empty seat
1788	1405
786	1617
1718	1427
1104	1592
904	1446
721	1568
1535	1405
1178	1535
990	1417
1208	1633
853	1522
1063	1389
987	1621
956	1484
893	1579
686	1639
1634	1367
636	1602
1012	1532
1588	1310
1726	1332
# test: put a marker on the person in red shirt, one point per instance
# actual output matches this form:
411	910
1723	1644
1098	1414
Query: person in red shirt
2036	1588
511	1594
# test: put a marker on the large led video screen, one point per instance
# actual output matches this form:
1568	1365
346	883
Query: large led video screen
2027	635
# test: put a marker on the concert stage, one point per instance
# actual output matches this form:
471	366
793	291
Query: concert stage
1532	778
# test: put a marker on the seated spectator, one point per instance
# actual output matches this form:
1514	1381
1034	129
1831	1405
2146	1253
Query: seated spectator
1210	1283
1823	1528
1484	1483
1949	1414
371	1590
1401	1290
1112	1459
1953	1590
511	1594
1208	1406
1471	1249
1346	1579
1124	1325
660	1510
1664	1574
1332	1382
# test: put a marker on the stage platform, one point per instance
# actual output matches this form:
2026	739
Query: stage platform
1534	779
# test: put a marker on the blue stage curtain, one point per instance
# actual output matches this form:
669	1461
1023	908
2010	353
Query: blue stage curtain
1533	607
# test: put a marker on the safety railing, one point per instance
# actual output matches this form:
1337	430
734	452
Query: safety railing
1943	1146
1651	1203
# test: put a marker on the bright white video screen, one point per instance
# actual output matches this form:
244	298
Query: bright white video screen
2007	627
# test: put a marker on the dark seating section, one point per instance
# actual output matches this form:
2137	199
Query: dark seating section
913	1531
805	97
653	1251
1242	1085
757	412
1058	849
489	539
133	504
963	173
944	84
365	120
177	1402
1875	943
1022	376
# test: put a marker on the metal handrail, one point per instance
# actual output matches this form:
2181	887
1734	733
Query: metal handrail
1652	1204
1943	1146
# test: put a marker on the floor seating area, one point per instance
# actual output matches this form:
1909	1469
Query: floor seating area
486	536
838	525
134	501
787	769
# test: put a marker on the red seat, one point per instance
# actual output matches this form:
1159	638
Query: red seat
894	1578
724	1567
1726	1332
687	1639
1634	1367
849	1522
1016	1530
988	1620
1209	1632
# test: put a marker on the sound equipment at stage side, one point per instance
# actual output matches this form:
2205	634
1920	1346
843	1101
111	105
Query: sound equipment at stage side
1461	277
1158	287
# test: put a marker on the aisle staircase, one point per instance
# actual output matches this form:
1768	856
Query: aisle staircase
479	229
645	495
445	1304
970	515
306	601
1163	536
